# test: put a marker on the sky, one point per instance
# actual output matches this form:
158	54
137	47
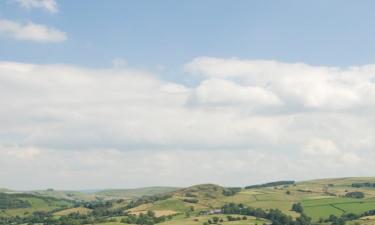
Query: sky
122	94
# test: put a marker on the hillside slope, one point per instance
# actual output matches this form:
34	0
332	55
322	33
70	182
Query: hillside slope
135	192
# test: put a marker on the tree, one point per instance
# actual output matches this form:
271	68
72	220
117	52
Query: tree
297	207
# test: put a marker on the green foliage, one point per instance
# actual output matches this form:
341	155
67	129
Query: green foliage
297	207
363	185
274	215
355	194
144	219
191	200
270	184
231	191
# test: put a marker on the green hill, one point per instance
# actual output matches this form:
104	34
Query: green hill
68	195
21	204
135	192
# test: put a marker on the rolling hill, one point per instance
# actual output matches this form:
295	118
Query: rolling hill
134	192
322	200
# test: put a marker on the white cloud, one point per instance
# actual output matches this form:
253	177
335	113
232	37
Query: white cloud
321	147
327	151
224	92
297	83
64	122
49	5
30	32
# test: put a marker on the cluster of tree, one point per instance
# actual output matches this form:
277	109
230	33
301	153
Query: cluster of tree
214	220
236	218
297	207
355	194
365	184
271	184
231	191
191	200
334	220
98	204
305	191
144	219
274	215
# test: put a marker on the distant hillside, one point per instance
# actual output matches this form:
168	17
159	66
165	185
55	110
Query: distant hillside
22	204
69	195
199	197
2	190
344	181
135	192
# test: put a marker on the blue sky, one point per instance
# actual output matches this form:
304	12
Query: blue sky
235	92
169	33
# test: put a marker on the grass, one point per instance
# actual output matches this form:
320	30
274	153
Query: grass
322	208
171	204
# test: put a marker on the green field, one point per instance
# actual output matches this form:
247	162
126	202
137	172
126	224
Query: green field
322	208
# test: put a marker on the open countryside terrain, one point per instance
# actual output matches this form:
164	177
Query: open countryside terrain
325	201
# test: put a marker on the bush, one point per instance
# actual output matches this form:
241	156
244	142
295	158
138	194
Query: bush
297	207
355	194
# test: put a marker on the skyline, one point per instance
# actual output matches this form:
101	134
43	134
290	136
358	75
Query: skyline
122	94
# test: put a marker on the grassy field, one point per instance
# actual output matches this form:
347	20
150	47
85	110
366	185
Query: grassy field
336	206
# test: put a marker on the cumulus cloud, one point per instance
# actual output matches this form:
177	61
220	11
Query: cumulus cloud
327	151
224	92
307	86
49	5
251	121
321	147
30	32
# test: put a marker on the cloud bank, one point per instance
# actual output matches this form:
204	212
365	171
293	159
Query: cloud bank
246	121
